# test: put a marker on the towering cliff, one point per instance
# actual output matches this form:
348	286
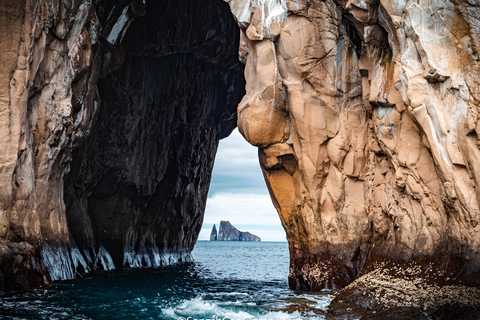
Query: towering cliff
366	115
129	96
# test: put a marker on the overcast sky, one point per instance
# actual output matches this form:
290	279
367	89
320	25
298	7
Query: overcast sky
238	193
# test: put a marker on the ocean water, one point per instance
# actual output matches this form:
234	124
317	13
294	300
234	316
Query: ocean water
227	280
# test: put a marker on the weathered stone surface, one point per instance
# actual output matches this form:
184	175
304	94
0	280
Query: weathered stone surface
227	232
154	86
213	234
365	114
46	49
406	291
139	182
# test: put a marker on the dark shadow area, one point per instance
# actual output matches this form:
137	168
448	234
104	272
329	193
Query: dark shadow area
138	185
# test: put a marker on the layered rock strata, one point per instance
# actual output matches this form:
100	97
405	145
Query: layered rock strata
366	115
154	85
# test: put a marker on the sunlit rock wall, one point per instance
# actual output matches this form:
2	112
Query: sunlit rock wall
155	84
366	117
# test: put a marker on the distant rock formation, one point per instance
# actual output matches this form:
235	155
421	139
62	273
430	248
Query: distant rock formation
213	235
227	232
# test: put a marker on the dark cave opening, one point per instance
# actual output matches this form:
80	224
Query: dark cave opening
136	191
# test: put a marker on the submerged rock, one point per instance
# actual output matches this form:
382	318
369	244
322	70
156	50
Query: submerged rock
227	232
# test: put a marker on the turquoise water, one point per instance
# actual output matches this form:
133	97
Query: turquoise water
228	280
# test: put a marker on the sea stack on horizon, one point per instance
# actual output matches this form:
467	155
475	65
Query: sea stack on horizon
227	232
213	235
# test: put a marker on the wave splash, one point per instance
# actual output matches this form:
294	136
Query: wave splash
203	309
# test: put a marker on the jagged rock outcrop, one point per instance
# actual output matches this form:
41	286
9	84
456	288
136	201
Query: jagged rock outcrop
142	91
227	232
213	234
366	115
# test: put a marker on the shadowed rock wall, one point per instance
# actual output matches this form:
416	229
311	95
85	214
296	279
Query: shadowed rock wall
156	86
139	183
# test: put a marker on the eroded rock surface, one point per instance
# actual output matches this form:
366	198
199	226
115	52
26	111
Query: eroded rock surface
227	232
154	85
366	118
139	183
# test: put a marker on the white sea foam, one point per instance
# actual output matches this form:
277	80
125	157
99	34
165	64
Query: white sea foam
200	308
280	315
320	301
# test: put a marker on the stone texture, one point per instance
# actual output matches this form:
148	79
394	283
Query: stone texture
43	54
407	292
247	236
153	86
227	232
167	106
366	116
213	234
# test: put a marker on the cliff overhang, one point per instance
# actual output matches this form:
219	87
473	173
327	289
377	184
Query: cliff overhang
110	116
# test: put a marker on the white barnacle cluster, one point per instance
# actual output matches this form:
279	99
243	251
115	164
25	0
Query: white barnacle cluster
412	286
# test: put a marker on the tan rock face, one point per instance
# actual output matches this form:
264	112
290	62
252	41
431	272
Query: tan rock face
44	55
366	116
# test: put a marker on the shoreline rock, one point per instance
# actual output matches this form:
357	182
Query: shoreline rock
406	291
110	117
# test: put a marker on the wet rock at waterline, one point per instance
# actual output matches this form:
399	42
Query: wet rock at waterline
110	118
404	291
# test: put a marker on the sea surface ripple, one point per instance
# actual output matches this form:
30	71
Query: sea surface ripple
227	280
